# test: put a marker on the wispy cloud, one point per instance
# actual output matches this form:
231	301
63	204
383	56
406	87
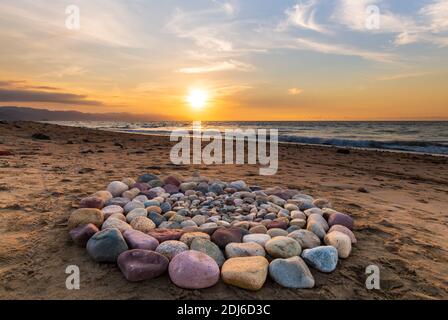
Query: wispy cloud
303	15
338	49
404	76
230	65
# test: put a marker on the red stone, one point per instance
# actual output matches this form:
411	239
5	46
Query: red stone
139	264
223	236
165	234
81	234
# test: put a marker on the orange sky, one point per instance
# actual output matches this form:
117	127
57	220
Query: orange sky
263	61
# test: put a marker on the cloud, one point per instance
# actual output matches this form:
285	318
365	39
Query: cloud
437	15
404	76
338	49
295	91
303	16
23	95
230	65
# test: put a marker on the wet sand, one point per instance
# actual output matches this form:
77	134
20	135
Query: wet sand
399	202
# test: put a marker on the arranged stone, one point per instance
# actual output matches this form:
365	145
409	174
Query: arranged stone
171	248
341	219
196	223
139	240
345	230
187	238
110	210
247	249
142	224
260	239
85	216
193	270
324	258
209	248
340	241
305	238
165	234
223	236
116	188
283	247
106	245
117	224
140	264
245	272
81	234
92	202
291	273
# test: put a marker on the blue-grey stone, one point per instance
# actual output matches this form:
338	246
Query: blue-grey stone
202	187
147	177
323	258
156	183
291	273
133	205
216	188
156	218
165	207
106	245
118	201
152	203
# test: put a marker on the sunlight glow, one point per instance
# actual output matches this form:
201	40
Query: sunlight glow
197	98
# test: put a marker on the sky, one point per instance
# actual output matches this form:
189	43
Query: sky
248	59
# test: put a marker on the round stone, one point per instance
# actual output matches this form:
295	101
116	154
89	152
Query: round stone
209	248
81	234
341	219
128	181
345	230
117	224
110	210
165	207
156	218
291	207
316	228
258	229
142	224
118	216
319	219
245	272
103	194
291	273
298	215
156	209
139	264
131	194
193	270
165	234
92	202
247	249
116	188
117	202
314	211
106	245
171	248
138	212
223	236
283	247
139	240
199	219
340	241
85	216
147	177
300	223
305	238
133	205
258	238
187	238
277	225
172	180
276	232
324	258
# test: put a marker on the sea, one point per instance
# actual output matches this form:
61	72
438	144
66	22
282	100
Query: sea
430	137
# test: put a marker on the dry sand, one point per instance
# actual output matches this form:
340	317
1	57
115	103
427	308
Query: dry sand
401	222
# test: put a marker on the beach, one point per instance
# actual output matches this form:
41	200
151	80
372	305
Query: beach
398	200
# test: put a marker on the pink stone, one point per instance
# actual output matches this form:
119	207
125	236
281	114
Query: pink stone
139	264
341	219
92	202
193	270
223	236
139	240
345	230
166	234
277	224
81	234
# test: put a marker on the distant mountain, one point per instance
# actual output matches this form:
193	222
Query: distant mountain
34	114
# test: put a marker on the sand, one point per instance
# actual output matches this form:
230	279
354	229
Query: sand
401	221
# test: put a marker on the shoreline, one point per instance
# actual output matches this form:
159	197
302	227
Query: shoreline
280	142
398	201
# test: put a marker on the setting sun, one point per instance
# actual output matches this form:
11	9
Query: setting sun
197	98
